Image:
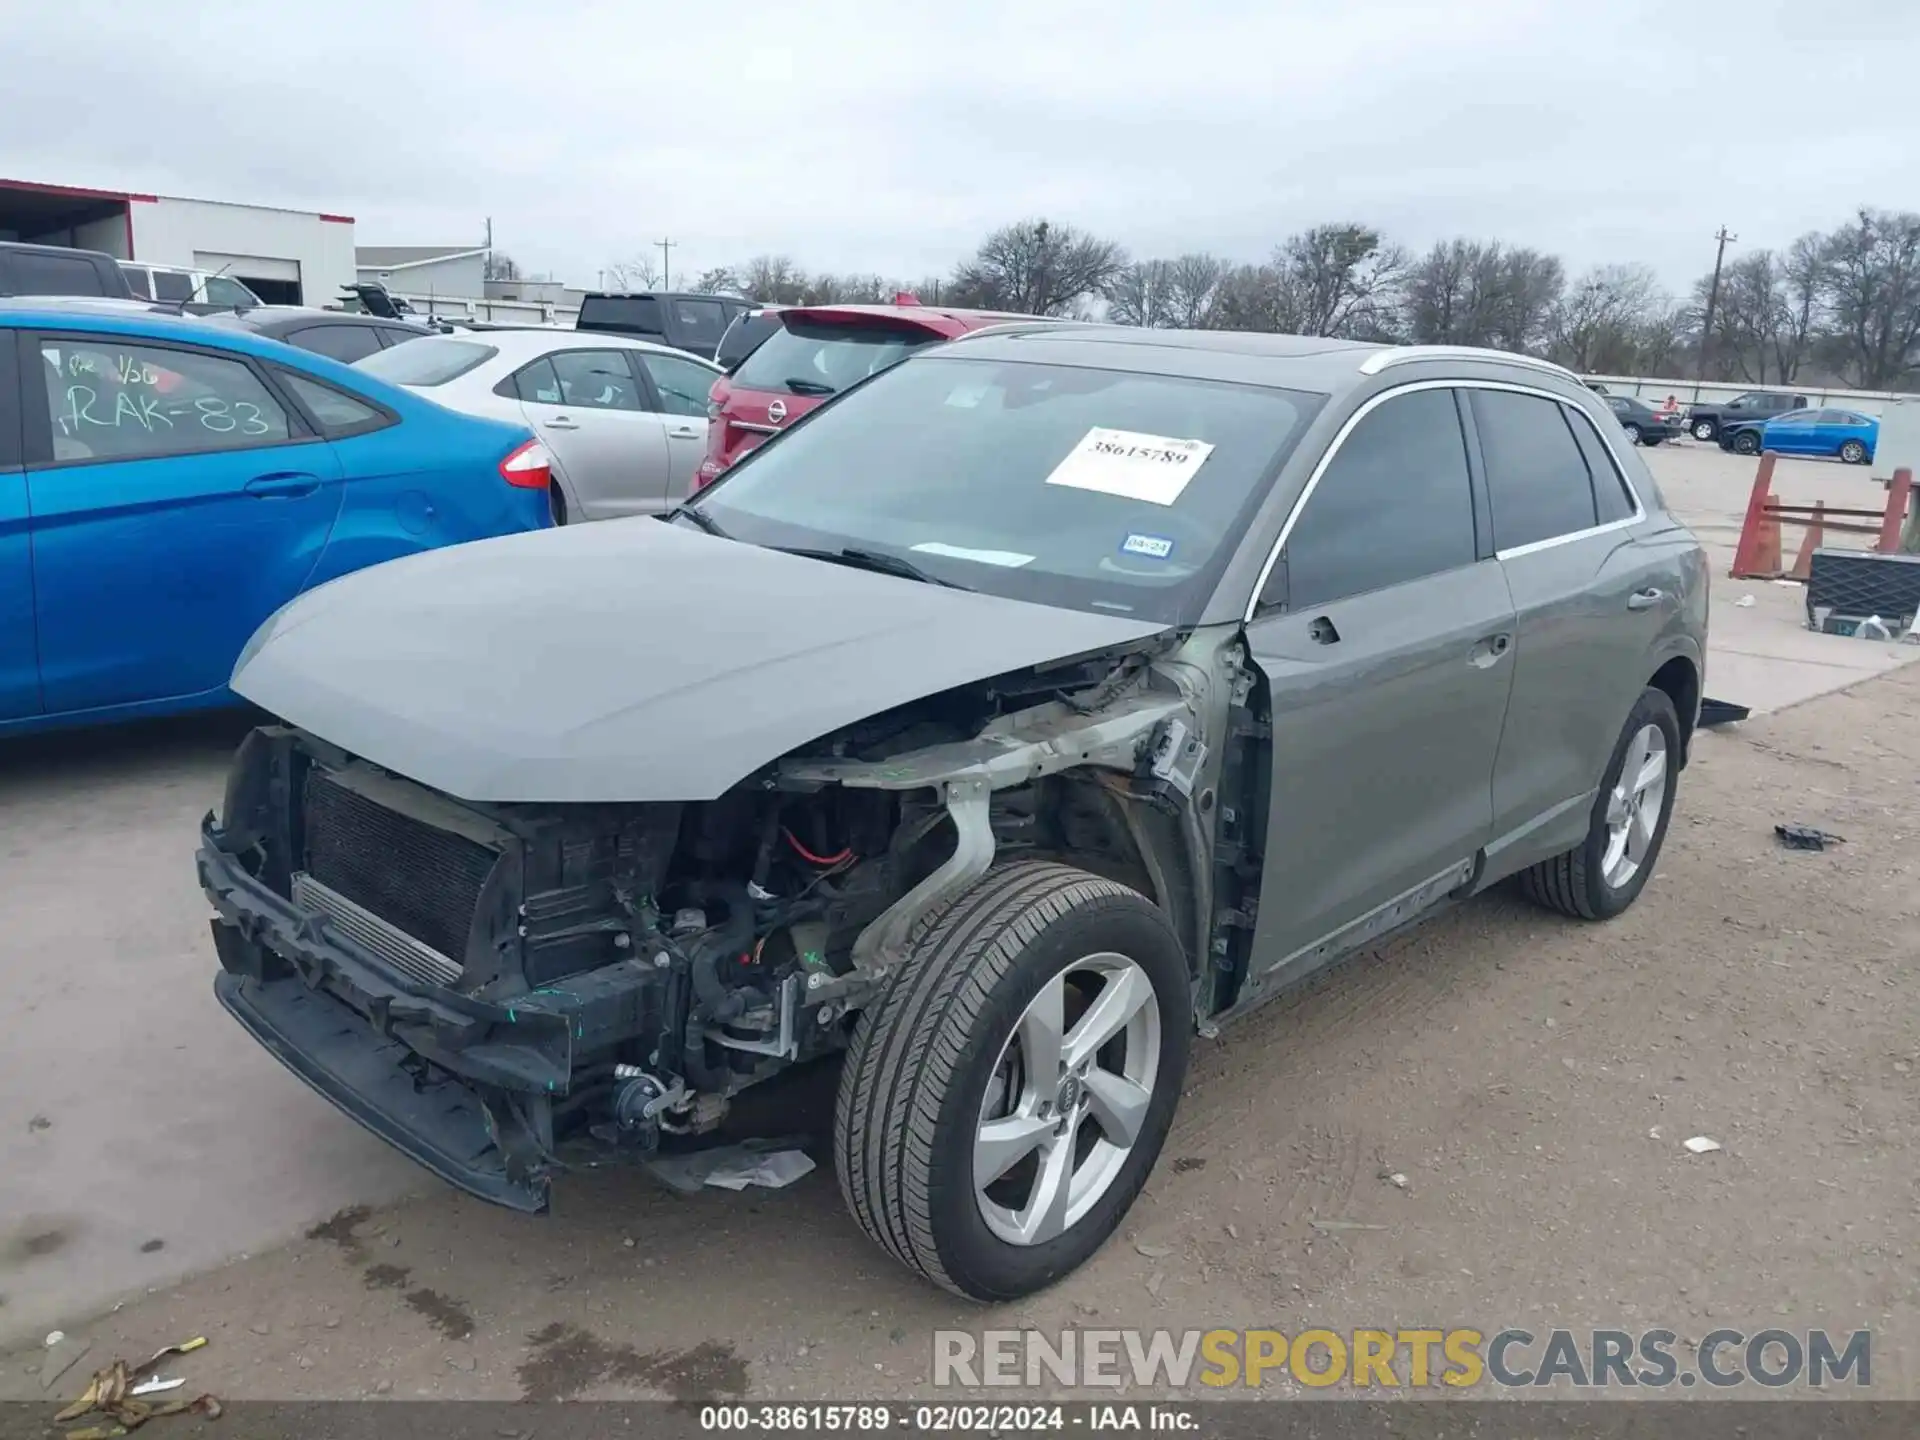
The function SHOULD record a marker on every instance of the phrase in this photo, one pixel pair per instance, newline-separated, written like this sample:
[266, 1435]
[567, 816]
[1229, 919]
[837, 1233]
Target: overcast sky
[873, 136]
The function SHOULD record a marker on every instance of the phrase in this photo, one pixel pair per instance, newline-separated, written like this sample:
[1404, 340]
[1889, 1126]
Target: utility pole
[1726, 237]
[666, 266]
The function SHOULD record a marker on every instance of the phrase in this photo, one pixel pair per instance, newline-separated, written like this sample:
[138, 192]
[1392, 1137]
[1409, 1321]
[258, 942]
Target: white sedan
[626, 421]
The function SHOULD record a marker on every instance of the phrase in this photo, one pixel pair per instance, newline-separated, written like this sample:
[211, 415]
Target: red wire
[809, 856]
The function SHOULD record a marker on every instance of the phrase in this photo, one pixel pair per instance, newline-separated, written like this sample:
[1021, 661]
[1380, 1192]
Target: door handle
[684, 432]
[282, 487]
[562, 422]
[1645, 599]
[1488, 652]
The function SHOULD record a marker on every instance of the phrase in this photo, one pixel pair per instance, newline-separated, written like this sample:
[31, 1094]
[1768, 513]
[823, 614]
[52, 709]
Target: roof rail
[1027, 323]
[1413, 354]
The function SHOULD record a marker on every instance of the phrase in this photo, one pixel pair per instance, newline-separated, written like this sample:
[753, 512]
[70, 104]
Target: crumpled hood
[626, 660]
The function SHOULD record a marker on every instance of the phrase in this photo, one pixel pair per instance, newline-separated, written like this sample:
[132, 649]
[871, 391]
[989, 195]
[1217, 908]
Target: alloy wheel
[1634, 806]
[1067, 1099]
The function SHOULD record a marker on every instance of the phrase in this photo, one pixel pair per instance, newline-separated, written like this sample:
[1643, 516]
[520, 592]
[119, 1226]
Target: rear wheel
[1633, 433]
[1004, 1101]
[1746, 443]
[557, 500]
[1854, 453]
[1605, 873]
[1704, 430]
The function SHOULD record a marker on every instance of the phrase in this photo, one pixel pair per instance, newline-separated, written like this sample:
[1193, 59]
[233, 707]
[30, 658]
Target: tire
[557, 501]
[940, 1044]
[1705, 430]
[1633, 433]
[1746, 443]
[1577, 882]
[1853, 453]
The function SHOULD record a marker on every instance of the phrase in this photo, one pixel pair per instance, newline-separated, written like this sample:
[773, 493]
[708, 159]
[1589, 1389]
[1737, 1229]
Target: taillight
[530, 467]
[708, 472]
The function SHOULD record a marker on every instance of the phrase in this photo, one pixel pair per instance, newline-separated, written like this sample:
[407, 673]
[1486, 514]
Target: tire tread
[906, 1049]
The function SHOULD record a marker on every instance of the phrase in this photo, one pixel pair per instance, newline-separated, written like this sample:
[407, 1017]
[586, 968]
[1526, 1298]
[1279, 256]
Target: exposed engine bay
[579, 979]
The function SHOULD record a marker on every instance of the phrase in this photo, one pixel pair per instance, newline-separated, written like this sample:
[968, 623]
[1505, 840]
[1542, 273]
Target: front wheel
[1605, 873]
[1746, 443]
[1854, 453]
[1004, 1100]
[1703, 430]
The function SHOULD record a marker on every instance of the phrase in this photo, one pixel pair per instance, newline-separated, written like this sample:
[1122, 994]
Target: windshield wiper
[875, 560]
[699, 517]
[798, 386]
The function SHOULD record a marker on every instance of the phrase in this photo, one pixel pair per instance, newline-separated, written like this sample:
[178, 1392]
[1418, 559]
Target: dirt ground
[1531, 1078]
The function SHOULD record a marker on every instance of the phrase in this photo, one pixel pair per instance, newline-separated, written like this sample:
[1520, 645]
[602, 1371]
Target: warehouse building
[286, 257]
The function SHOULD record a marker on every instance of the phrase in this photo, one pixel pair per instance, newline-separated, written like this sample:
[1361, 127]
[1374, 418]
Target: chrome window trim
[1375, 402]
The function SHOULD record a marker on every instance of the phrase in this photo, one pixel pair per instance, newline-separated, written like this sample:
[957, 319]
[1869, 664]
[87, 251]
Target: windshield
[1090, 489]
[814, 357]
[430, 360]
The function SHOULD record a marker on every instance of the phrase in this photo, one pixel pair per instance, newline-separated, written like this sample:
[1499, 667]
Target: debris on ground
[1722, 712]
[1872, 628]
[773, 1171]
[1805, 837]
[1701, 1145]
[1328, 1227]
[1153, 1252]
[688, 1173]
[1745, 602]
[1398, 1181]
[110, 1393]
[62, 1355]
[157, 1386]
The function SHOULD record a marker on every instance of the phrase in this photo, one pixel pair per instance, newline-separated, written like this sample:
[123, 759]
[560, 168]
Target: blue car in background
[1845, 434]
[167, 484]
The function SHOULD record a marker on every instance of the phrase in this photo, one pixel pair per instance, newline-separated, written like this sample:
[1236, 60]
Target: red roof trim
[80, 191]
[337, 219]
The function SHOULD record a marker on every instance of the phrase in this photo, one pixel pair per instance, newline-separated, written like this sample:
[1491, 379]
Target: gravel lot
[1512, 1066]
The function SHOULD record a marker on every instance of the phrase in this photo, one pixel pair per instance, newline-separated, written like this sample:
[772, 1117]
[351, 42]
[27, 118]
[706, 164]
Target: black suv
[693, 323]
[1704, 422]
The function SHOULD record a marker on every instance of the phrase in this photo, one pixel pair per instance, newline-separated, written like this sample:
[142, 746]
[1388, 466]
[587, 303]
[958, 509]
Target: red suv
[816, 352]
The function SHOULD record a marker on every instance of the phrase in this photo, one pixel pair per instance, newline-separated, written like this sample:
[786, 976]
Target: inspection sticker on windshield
[1153, 468]
[1156, 547]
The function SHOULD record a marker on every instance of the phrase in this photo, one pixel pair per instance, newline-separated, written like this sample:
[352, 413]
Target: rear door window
[699, 324]
[172, 286]
[595, 379]
[138, 282]
[823, 357]
[1394, 505]
[1537, 482]
[222, 291]
[111, 400]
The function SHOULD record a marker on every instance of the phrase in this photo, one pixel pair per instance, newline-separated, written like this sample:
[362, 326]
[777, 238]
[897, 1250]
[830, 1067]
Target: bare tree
[773, 280]
[1803, 286]
[1191, 281]
[720, 280]
[1600, 323]
[1339, 280]
[636, 272]
[1872, 282]
[1473, 292]
[500, 266]
[1247, 297]
[1142, 294]
[1037, 268]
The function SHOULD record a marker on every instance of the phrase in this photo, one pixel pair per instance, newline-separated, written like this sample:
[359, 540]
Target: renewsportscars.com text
[1365, 1359]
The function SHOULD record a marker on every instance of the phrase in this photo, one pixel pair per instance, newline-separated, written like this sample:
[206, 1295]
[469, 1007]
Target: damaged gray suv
[1049, 698]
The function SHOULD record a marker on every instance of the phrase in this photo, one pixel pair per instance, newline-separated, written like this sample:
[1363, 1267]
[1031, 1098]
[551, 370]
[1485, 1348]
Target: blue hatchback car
[167, 484]
[1846, 434]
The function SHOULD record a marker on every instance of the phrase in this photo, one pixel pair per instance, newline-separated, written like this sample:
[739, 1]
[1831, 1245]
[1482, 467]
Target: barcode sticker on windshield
[1153, 468]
